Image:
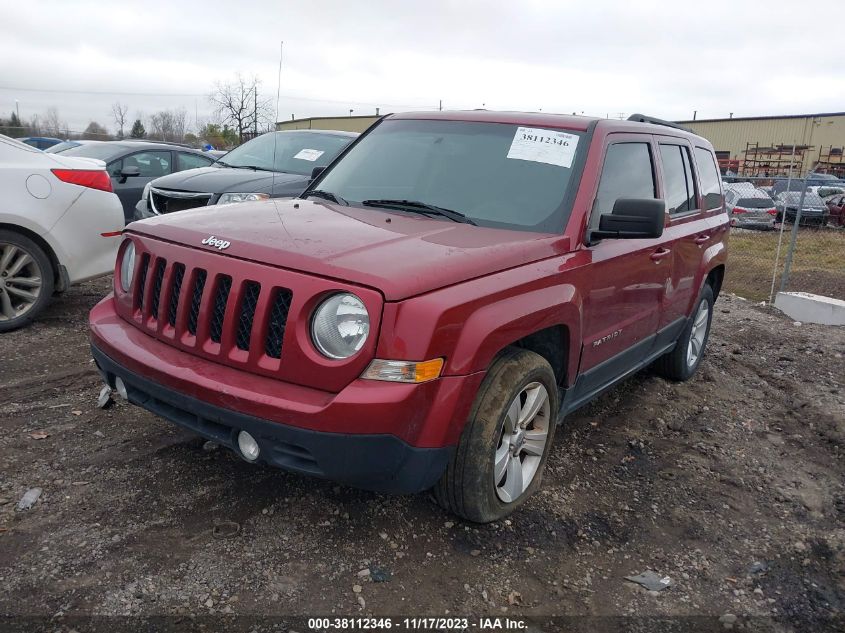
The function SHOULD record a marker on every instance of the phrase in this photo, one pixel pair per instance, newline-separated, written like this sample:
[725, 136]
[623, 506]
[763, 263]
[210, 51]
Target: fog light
[121, 388]
[248, 446]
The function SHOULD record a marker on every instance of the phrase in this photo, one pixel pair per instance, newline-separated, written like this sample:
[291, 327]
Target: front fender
[469, 323]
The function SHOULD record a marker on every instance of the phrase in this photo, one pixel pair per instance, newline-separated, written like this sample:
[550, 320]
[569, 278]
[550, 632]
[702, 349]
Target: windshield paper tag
[543, 146]
[309, 154]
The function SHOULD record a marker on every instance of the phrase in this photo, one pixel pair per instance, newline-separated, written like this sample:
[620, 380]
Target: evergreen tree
[138, 130]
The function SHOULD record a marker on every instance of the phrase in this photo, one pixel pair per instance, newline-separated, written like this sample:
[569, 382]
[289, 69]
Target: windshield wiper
[419, 207]
[252, 167]
[327, 195]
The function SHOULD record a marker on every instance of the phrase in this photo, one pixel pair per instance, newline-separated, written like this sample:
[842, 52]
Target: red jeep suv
[428, 310]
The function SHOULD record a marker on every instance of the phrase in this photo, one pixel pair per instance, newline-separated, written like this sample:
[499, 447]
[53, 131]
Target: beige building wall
[731, 135]
[343, 123]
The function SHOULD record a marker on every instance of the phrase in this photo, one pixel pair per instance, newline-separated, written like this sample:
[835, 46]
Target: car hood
[222, 179]
[400, 254]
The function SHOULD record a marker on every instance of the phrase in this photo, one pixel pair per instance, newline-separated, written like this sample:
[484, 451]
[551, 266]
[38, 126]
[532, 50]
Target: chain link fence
[787, 235]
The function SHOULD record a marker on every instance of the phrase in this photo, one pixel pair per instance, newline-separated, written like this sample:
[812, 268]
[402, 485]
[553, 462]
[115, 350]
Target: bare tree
[95, 132]
[52, 124]
[119, 111]
[168, 125]
[238, 102]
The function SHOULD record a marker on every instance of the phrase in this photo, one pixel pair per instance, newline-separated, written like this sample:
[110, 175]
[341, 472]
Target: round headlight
[340, 326]
[127, 267]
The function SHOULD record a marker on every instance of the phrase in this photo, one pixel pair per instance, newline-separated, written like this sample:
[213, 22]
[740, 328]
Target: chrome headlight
[340, 326]
[228, 198]
[127, 267]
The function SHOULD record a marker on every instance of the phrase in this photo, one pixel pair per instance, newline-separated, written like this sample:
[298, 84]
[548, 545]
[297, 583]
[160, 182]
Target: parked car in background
[828, 191]
[273, 165]
[813, 211]
[132, 164]
[40, 142]
[750, 209]
[432, 306]
[58, 148]
[836, 210]
[60, 224]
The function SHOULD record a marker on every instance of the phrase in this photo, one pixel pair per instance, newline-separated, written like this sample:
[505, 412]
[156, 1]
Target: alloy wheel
[20, 281]
[522, 442]
[699, 331]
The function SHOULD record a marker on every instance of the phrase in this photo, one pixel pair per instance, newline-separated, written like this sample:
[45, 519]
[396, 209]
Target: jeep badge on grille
[216, 243]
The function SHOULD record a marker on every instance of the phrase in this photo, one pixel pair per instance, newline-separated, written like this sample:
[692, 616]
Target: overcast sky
[597, 56]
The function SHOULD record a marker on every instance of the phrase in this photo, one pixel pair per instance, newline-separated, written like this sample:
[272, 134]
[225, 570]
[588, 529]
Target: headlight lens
[127, 267]
[228, 198]
[340, 326]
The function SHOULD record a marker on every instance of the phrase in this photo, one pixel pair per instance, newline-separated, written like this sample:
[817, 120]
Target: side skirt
[603, 376]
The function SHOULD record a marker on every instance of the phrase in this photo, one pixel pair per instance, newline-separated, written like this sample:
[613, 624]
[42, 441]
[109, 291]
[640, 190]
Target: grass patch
[818, 265]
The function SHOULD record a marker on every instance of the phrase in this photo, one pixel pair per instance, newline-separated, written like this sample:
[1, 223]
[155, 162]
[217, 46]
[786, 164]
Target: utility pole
[441, 105]
[255, 111]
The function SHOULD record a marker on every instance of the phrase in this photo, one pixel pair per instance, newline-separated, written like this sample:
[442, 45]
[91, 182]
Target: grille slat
[221, 298]
[142, 281]
[277, 322]
[247, 314]
[176, 288]
[158, 278]
[196, 297]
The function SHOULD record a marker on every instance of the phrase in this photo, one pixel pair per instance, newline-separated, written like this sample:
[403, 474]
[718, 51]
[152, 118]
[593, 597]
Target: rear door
[686, 233]
[628, 276]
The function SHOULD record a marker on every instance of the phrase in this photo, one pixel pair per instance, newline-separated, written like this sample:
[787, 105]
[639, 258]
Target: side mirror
[316, 172]
[128, 172]
[632, 218]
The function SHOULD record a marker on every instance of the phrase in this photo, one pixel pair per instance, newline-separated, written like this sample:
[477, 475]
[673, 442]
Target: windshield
[295, 152]
[103, 150]
[496, 174]
[61, 147]
[810, 199]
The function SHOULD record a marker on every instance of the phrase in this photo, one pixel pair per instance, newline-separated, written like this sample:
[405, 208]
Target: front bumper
[378, 436]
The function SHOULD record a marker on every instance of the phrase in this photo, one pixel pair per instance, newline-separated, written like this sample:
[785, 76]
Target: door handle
[659, 254]
[700, 239]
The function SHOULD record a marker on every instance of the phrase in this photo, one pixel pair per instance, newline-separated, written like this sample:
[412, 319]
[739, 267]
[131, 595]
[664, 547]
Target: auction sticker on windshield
[543, 146]
[309, 154]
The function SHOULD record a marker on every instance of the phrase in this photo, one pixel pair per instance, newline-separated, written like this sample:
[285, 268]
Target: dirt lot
[732, 485]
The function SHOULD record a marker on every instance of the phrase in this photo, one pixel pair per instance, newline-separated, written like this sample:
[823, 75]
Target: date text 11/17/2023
[418, 624]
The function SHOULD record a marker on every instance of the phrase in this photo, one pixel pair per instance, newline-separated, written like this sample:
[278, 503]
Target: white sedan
[60, 224]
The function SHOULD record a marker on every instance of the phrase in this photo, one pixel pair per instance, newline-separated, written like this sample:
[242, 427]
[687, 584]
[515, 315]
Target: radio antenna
[275, 121]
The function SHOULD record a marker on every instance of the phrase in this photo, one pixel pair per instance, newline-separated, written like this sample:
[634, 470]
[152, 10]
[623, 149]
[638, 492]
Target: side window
[677, 181]
[151, 164]
[628, 172]
[708, 177]
[114, 168]
[191, 161]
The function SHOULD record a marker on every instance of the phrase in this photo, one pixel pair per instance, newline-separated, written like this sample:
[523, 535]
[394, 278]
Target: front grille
[210, 323]
[224, 285]
[164, 201]
[158, 278]
[278, 320]
[196, 297]
[248, 304]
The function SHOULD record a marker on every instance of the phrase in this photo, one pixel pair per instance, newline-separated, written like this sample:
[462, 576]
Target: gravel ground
[731, 485]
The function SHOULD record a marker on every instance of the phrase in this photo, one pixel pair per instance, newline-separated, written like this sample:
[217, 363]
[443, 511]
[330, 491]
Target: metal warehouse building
[345, 123]
[763, 146]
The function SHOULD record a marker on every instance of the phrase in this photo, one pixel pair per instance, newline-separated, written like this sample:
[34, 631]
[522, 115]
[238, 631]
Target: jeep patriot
[432, 306]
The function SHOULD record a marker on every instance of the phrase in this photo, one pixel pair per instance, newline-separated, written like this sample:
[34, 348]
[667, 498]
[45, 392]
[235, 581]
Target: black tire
[675, 365]
[467, 488]
[9, 302]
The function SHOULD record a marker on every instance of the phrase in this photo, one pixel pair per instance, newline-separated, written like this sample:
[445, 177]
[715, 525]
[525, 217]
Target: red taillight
[91, 178]
[772, 211]
[740, 210]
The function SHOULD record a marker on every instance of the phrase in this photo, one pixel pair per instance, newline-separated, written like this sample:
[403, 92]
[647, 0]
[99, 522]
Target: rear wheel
[680, 364]
[503, 449]
[26, 280]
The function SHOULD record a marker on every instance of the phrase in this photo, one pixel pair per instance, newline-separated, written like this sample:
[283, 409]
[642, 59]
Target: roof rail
[642, 118]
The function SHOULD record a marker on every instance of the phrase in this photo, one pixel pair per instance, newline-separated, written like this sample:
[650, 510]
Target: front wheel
[680, 364]
[503, 449]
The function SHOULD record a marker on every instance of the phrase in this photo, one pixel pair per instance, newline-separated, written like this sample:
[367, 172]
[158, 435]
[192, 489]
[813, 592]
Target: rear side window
[708, 178]
[151, 164]
[191, 161]
[677, 179]
[627, 173]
